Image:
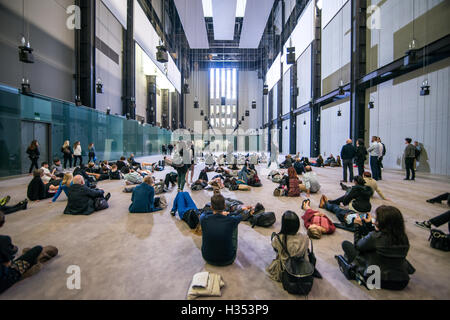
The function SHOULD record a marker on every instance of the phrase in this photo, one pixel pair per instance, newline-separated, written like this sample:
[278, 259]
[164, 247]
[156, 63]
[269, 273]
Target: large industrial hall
[224, 150]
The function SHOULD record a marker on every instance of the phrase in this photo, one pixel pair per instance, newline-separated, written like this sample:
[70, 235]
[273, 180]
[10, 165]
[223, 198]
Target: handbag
[439, 240]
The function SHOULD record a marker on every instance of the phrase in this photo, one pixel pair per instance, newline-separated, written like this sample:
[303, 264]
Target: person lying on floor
[22, 205]
[131, 177]
[357, 197]
[186, 208]
[372, 183]
[244, 173]
[386, 247]
[81, 200]
[316, 222]
[347, 217]
[298, 166]
[66, 182]
[29, 263]
[219, 233]
[143, 197]
[37, 190]
[289, 237]
[93, 172]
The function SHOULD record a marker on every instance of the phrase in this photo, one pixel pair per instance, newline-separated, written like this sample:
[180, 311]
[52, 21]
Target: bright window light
[240, 8]
[212, 83]
[234, 84]
[218, 83]
[228, 84]
[319, 4]
[223, 83]
[207, 8]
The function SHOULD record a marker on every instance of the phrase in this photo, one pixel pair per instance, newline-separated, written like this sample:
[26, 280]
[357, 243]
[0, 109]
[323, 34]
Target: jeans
[442, 197]
[338, 211]
[360, 169]
[375, 167]
[440, 220]
[75, 160]
[348, 163]
[34, 163]
[409, 166]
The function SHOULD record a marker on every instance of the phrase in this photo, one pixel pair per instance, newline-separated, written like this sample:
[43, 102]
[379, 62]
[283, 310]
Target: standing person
[164, 149]
[77, 153]
[67, 151]
[410, 157]
[273, 153]
[360, 156]
[170, 147]
[380, 160]
[375, 151]
[192, 151]
[348, 152]
[33, 154]
[418, 151]
[92, 156]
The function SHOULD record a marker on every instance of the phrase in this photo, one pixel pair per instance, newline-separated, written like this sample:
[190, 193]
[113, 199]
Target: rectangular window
[234, 109]
[211, 111]
[218, 82]
[223, 83]
[228, 110]
[229, 94]
[234, 84]
[228, 122]
[233, 122]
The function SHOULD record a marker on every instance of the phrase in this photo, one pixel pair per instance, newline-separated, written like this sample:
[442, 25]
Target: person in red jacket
[316, 222]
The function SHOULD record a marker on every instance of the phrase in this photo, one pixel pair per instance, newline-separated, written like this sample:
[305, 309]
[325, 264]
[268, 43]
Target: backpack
[191, 218]
[277, 178]
[264, 219]
[298, 274]
[279, 192]
[100, 204]
[162, 202]
[439, 240]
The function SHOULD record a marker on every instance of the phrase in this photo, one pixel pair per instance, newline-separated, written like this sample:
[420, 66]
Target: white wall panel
[334, 130]
[118, 9]
[304, 78]
[304, 134]
[400, 112]
[286, 135]
[275, 102]
[286, 92]
[274, 73]
[330, 8]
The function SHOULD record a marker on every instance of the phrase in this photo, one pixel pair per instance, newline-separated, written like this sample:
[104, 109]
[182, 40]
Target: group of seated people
[290, 184]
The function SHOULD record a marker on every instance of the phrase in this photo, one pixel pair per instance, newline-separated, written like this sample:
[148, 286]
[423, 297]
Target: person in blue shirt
[63, 186]
[219, 233]
[143, 198]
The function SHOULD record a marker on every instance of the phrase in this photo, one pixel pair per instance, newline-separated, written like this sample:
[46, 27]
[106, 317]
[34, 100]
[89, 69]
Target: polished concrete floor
[154, 256]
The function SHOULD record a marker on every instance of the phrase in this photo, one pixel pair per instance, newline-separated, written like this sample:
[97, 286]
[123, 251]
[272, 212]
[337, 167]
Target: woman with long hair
[296, 243]
[386, 248]
[67, 151]
[64, 185]
[294, 183]
[77, 153]
[33, 154]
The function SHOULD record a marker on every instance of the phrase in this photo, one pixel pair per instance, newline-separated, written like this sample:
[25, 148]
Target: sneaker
[406, 179]
[323, 201]
[431, 201]
[305, 202]
[424, 225]
[108, 196]
[4, 201]
[172, 213]
[343, 186]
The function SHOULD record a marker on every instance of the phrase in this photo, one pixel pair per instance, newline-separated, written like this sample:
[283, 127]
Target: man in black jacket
[348, 152]
[358, 197]
[81, 199]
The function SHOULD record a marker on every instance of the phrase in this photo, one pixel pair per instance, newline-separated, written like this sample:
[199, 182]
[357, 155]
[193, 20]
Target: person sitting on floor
[219, 233]
[357, 197]
[330, 160]
[66, 182]
[81, 199]
[293, 187]
[316, 222]
[36, 188]
[319, 162]
[287, 163]
[29, 263]
[372, 183]
[114, 173]
[299, 167]
[305, 161]
[310, 182]
[243, 174]
[121, 163]
[57, 168]
[132, 161]
[289, 237]
[386, 247]
[347, 217]
[22, 205]
[96, 173]
[143, 197]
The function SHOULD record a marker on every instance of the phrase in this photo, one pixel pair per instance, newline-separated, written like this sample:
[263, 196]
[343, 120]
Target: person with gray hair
[82, 200]
[310, 183]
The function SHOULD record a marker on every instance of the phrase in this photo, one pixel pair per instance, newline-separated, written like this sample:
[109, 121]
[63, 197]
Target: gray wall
[53, 44]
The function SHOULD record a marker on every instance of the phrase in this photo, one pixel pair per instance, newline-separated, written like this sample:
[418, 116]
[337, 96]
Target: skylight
[240, 8]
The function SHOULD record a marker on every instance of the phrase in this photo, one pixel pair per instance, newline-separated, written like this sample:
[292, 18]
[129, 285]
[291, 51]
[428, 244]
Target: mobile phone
[363, 216]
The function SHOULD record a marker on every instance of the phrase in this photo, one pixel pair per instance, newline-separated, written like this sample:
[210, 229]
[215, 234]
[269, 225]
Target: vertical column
[358, 68]
[129, 65]
[165, 108]
[316, 85]
[85, 53]
[293, 122]
[151, 100]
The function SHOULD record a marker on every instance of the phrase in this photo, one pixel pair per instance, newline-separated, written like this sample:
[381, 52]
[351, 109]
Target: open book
[200, 280]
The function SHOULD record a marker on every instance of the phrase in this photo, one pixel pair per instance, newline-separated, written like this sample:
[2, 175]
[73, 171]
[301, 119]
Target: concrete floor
[154, 256]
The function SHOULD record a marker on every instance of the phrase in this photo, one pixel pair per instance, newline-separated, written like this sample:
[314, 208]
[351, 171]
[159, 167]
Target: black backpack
[264, 219]
[439, 240]
[298, 274]
[191, 218]
[100, 204]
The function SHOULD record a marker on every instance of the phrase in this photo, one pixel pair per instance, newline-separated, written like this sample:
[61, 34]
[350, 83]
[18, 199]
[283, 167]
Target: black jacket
[360, 155]
[33, 153]
[80, 199]
[37, 190]
[360, 195]
[375, 249]
[348, 152]
[67, 152]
